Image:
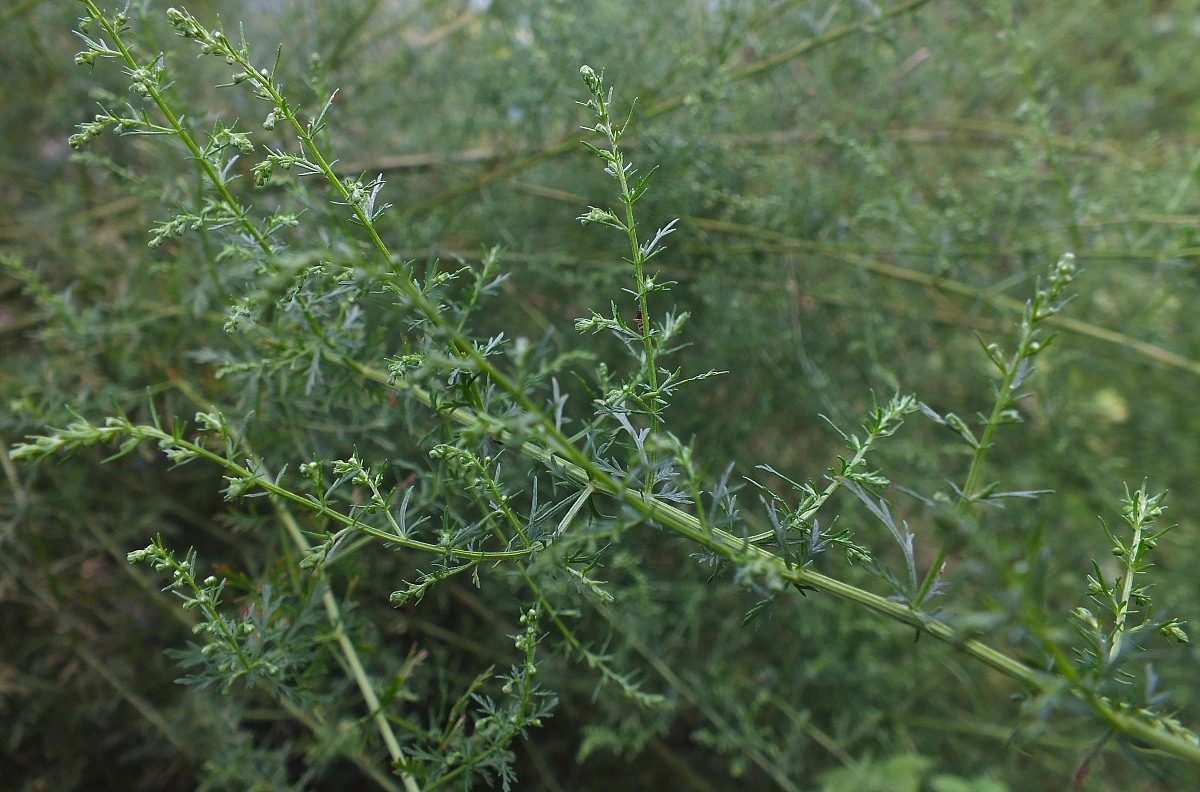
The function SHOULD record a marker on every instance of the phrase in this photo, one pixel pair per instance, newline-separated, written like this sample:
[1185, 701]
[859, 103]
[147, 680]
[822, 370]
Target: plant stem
[182, 134]
[739, 551]
[349, 652]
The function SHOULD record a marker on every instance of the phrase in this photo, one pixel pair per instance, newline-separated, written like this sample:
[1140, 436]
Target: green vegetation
[803, 425]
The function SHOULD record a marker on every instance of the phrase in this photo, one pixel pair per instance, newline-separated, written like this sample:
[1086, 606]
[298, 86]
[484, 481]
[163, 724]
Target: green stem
[181, 132]
[639, 260]
[244, 474]
[1003, 402]
[835, 483]
[349, 652]
[736, 549]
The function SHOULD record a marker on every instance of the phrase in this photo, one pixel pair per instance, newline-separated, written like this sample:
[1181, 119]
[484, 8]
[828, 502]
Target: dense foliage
[803, 425]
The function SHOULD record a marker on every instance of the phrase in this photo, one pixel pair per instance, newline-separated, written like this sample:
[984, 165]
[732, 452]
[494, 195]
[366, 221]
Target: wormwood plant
[497, 474]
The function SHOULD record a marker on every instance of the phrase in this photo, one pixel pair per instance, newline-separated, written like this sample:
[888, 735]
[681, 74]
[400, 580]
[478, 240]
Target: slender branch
[739, 550]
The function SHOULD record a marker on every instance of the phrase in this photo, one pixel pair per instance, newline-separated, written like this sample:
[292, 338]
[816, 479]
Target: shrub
[437, 518]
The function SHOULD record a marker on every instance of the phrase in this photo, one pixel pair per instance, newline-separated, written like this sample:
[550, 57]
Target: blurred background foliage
[862, 189]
